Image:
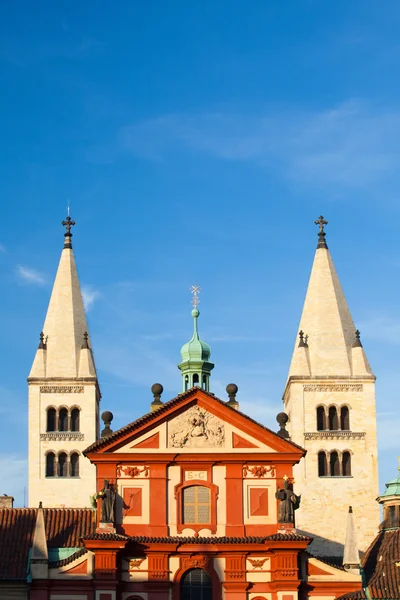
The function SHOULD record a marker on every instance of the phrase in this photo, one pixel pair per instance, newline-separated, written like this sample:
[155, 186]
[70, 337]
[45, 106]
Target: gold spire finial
[195, 289]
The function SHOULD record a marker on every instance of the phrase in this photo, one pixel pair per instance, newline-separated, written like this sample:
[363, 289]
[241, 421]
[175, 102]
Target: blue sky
[197, 142]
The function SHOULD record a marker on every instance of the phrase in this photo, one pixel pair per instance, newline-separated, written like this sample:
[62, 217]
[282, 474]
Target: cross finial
[321, 234]
[195, 289]
[302, 342]
[68, 223]
[357, 343]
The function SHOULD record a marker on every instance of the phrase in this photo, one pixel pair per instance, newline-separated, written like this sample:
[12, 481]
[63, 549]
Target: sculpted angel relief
[196, 428]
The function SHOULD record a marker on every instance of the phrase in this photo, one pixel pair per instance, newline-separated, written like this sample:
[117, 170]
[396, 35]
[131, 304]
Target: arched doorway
[196, 584]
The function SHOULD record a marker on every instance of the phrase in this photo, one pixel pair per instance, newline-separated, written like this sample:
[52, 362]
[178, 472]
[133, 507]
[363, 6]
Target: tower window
[344, 418]
[74, 465]
[195, 379]
[75, 419]
[334, 464]
[322, 464]
[50, 464]
[346, 464]
[196, 584]
[51, 419]
[321, 418]
[62, 465]
[204, 382]
[196, 504]
[333, 419]
[63, 420]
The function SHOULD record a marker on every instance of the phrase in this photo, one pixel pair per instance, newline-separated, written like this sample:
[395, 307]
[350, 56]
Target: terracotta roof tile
[166, 406]
[221, 540]
[64, 528]
[379, 565]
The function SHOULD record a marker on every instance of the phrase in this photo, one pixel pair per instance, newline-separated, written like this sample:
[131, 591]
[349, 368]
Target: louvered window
[196, 504]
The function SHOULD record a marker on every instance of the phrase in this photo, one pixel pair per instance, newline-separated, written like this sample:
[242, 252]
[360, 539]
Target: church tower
[196, 366]
[330, 401]
[64, 396]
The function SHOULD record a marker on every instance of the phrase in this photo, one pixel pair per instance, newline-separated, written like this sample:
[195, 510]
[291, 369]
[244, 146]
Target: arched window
[74, 465]
[62, 465]
[195, 379]
[334, 464]
[344, 418]
[63, 420]
[50, 464]
[321, 420]
[51, 419]
[186, 382]
[75, 419]
[196, 504]
[322, 464]
[333, 419]
[196, 584]
[204, 382]
[346, 464]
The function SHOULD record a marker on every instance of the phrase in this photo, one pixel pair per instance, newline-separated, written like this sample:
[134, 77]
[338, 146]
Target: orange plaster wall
[234, 500]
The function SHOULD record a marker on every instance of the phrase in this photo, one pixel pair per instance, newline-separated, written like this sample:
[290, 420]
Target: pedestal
[106, 528]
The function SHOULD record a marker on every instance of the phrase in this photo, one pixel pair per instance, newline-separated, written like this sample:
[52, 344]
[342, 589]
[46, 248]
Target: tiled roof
[64, 528]
[332, 561]
[379, 565]
[114, 537]
[276, 537]
[148, 417]
[66, 561]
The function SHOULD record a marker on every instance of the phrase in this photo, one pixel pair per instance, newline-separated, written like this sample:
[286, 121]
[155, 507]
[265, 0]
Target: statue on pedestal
[107, 497]
[289, 502]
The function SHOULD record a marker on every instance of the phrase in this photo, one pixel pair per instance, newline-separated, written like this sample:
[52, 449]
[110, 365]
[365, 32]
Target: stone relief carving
[62, 389]
[196, 428]
[194, 562]
[257, 563]
[134, 563]
[132, 471]
[339, 387]
[259, 471]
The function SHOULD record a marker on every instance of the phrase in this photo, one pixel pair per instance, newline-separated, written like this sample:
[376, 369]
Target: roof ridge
[153, 415]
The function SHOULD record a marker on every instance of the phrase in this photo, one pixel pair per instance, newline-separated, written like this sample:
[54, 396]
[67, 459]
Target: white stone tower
[330, 400]
[64, 396]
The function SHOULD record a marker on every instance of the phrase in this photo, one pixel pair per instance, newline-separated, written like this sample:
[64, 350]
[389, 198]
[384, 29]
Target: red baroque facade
[196, 517]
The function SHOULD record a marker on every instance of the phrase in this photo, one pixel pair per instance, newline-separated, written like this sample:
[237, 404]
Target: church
[195, 500]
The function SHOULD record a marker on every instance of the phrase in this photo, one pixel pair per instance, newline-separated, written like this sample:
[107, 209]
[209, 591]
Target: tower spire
[196, 366]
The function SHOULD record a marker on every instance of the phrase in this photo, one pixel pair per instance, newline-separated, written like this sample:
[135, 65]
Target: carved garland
[195, 562]
[132, 471]
[340, 387]
[62, 389]
[259, 471]
[135, 563]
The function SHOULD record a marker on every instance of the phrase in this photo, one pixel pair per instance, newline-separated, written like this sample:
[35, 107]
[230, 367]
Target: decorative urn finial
[156, 389]
[107, 417]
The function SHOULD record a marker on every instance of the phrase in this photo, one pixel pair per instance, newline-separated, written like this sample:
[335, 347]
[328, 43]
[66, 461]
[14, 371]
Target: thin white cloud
[3, 249]
[89, 296]
[350, 145]
[28, 275]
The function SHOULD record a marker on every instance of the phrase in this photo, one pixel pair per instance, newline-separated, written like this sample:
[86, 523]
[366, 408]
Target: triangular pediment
[195, 421]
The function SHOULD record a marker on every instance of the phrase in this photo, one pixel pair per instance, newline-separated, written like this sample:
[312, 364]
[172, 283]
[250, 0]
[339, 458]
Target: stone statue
[107, 496]
[289, 502]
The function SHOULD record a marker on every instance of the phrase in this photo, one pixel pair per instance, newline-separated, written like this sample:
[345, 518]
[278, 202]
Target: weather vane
[195, 289]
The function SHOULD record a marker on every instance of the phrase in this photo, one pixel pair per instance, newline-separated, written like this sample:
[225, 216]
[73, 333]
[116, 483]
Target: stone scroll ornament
[289, 502]
[107, 496]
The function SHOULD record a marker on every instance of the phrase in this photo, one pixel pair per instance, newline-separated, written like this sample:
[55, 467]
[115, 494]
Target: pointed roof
[351, 556]
[65, 324]
[327, 324]
[175, 406]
